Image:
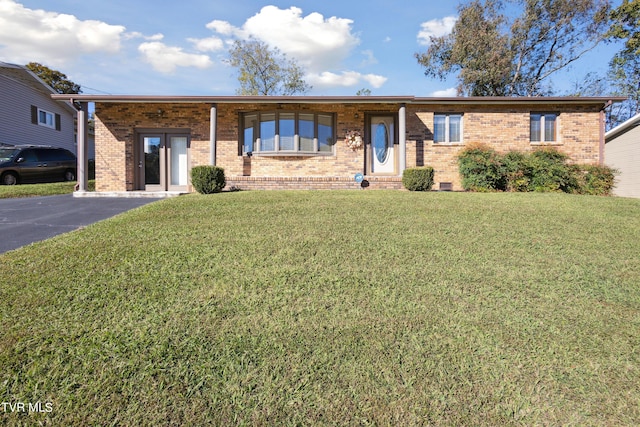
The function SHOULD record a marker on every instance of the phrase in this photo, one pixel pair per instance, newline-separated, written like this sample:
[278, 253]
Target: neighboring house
[28, 115]
[151, 142]
[622, 152]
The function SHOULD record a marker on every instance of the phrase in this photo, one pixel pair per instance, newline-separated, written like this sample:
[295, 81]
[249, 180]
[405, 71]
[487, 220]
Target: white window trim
[556, 132]
[48, 113]
[257, 143]
[447, 134]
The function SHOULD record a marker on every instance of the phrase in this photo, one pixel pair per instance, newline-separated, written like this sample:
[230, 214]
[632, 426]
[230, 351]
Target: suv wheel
[69, 175]
[9, 178]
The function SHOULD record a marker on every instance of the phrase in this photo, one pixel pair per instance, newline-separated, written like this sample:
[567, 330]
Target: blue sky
[146, 47]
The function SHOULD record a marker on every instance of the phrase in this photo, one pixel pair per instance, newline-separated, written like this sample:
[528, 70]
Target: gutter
[477, 100]
[623, 127]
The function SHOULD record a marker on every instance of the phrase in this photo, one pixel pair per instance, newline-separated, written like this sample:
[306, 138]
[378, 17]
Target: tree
[57, 80]
[265, 71]
[495, 55]
[626, 25]
[624, 68]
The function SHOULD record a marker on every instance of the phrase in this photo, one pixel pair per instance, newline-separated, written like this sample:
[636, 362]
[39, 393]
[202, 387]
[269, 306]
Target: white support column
[212, 135]
[83, 148]
[402, 135]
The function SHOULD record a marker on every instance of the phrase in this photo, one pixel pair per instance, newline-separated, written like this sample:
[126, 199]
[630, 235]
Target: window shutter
[34, 114]
[58, 125]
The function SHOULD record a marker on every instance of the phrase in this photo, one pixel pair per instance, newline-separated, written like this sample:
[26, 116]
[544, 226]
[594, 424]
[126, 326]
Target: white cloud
[328, 79]
[375, 80]
[165, 58]
[436, 28]
[370, 58]
[446, 93]
[317, 43]
[52, 38]
[210, 44]
[138, 35]
[222, 27]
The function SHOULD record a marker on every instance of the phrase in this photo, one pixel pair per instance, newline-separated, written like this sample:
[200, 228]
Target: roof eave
[479, 100]
[496, 100]
[234, 99]
[623, 127]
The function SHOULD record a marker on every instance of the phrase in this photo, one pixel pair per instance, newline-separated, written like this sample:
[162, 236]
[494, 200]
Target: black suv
[21, 164]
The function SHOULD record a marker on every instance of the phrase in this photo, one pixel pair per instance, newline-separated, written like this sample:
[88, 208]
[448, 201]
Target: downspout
[602, 131]
[402, 135]
[212, 135]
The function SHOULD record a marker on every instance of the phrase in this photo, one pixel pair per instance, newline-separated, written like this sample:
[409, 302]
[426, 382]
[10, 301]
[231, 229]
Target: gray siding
[15, 117]
[623, 153]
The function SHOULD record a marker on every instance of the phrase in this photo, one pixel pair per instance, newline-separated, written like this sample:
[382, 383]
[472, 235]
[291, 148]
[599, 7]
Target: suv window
[45, 155]
[54, 155]
[6, 154]
[28, 155]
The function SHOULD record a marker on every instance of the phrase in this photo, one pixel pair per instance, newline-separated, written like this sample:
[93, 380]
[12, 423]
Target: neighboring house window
[45, 118]
[287, 132]
[544, 127]
[447, 128]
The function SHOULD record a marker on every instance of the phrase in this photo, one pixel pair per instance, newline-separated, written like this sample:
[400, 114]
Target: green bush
[208, 179]
[481, 169]
[517, 171]
[418, 179]
[543, 170]
[596, 180]
[550, 172]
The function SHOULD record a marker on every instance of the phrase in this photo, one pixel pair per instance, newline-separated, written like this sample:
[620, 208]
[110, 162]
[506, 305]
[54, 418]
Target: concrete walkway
[31, 219]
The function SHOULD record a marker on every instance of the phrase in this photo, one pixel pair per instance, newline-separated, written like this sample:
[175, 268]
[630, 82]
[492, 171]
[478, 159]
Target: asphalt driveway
[31, 219]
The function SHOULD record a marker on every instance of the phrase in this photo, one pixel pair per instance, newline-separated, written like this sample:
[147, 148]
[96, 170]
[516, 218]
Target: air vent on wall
[446, 186]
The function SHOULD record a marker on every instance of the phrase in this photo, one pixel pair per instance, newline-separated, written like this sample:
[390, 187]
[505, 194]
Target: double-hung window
[447, 128]
[544, 127]
[288, 133]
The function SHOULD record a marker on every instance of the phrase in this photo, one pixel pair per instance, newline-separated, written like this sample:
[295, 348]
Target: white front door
[382, 138]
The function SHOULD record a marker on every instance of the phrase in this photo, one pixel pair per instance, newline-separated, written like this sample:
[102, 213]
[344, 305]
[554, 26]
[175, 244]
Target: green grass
[32, 190]
[331, 308]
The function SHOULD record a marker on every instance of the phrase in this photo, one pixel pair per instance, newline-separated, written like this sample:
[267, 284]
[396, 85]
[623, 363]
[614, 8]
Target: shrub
[481, 169]
[208, 179]
[544, 170]
[517, 171]
[596, 180]
[418, 179]
[550, 172]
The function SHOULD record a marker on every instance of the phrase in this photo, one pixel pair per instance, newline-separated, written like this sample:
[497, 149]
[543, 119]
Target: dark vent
[446, 186]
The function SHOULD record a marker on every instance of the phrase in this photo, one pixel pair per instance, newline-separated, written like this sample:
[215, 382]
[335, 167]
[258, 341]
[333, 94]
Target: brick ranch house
[150, 143]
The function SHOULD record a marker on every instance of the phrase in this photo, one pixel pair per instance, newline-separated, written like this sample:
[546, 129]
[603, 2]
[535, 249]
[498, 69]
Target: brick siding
[504, 127]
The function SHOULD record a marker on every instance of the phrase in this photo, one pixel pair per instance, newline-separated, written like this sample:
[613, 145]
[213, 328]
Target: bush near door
[418, 179]
[208, 179]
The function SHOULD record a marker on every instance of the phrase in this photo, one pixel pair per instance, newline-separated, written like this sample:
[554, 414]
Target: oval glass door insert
[381, 143]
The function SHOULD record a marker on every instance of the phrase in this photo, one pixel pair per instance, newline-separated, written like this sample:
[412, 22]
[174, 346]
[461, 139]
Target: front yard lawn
[330, 308]
[32, 190]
